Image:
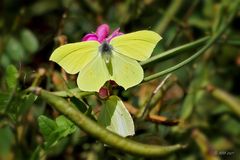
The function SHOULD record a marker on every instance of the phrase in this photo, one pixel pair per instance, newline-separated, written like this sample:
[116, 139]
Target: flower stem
[173, 52]
[75, 91]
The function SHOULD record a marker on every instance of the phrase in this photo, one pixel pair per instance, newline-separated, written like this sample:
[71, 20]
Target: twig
[152, 117]
[38, 77]
[163, 120]
[146, 108]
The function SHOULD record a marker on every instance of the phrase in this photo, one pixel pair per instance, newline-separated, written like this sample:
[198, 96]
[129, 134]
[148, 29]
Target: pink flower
[102, 34]
[90, 37]
[114, 34]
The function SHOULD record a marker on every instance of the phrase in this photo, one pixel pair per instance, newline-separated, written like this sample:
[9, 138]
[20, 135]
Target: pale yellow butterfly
[114, 60]
[115, 117]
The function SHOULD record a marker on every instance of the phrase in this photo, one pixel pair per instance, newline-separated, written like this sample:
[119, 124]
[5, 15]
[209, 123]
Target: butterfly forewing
[137, 45]
[75, 56]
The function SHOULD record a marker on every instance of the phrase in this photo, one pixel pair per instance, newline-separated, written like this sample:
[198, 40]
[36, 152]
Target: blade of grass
[168, 16]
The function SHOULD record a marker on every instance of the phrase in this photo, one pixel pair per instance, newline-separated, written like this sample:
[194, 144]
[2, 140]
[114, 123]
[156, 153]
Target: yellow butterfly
[103, 58]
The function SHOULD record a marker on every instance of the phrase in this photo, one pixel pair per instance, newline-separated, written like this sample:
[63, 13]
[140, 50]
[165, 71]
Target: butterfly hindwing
[127, 72]
[137, 45]
[93, 75]
[73, 57]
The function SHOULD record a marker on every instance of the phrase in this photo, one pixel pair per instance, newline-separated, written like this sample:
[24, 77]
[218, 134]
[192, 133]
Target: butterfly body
[105, 50]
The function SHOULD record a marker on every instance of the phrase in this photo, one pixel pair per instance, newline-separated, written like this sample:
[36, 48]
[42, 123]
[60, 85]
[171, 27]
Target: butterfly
[115, 117]
[102, 58]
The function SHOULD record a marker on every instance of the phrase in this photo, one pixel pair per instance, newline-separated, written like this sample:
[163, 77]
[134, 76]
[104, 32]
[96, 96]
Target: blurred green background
[203, 96]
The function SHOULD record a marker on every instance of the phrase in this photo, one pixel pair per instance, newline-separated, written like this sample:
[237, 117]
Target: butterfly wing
[137, 45]
[73, 57]
[93, 76]
[127, 72]
[115, 117]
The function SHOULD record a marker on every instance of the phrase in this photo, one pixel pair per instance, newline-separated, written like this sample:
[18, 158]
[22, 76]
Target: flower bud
[104, 93]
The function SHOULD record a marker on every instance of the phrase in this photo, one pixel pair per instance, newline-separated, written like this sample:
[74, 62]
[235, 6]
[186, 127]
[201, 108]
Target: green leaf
[53, 131]
[43, 7]
[29, 41]
[115, 117]
[6, 141]
[188, 105]
[53, 138]
[65, 124]
[46, 125]
[79, 104]
[83, 107]
[7, 98]
[4, 100]
[19, 105]
[26, 102]
[4, 60]
[36, 153]
[14, 49]
[11, 77]
[62, 121]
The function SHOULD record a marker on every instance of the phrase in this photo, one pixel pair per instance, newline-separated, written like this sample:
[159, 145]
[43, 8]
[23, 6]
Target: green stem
[75, 91]
[38, 77]
[207, 150]
[232, 42]
[211, 41]
[100, 133]
[168, 16]
[150, 102]
[173, 52]
[232, 102]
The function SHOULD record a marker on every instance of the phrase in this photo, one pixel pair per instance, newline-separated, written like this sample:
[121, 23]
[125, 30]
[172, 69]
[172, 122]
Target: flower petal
[114, 34]
[90, 37]
[102, 32]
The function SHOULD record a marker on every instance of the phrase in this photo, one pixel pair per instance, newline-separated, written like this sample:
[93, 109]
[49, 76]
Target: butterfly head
[105, 48]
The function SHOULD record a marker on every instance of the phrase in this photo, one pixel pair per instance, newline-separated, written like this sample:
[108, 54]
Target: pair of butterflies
[115, 60]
